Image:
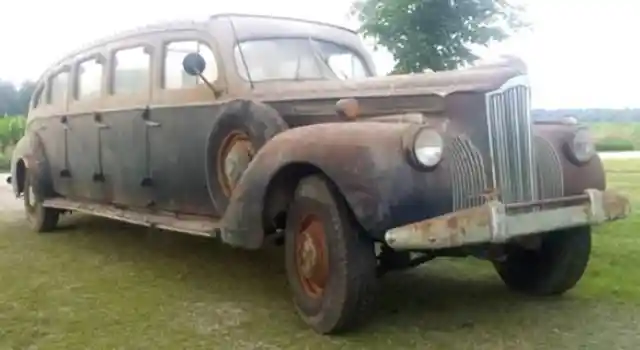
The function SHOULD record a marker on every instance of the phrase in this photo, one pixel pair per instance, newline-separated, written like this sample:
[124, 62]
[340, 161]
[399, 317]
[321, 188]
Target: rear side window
[58, 88]
[131, 71]
[89, 79]
[174, 77]
[37, 96]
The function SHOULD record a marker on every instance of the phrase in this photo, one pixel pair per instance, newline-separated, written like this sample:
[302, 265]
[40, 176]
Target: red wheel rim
[312, 263]
[235, 147]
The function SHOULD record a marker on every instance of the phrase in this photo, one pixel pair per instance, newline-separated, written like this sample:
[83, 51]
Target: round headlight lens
[582, 146]
[427, 147]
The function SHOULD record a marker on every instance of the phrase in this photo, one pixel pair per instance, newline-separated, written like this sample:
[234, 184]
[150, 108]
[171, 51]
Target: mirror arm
[216, 92]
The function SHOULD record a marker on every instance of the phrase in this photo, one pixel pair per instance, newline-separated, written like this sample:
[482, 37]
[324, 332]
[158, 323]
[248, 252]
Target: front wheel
[40, 218]
[553, 268]
[330, 263]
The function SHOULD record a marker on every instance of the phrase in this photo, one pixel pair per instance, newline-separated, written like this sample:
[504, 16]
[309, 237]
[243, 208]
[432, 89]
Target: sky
[578, 52]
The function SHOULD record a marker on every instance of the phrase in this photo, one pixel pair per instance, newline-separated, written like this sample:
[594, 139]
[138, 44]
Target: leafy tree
[435, 34]
[7, 98]
[15, 101]
[23, 97]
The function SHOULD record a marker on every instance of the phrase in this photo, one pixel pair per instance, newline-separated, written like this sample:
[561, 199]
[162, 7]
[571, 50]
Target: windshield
[298, 59]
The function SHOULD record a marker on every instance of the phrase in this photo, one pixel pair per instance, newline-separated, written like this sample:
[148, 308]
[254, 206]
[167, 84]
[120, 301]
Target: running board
[195, 225]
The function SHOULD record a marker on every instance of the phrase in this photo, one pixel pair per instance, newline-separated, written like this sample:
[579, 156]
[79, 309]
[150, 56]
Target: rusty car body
[221, 139]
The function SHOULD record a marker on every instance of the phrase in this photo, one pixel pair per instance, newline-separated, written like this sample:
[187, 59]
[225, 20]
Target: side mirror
[193, 64]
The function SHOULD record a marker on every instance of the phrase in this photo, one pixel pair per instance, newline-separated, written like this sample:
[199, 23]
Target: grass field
[616, 134]
[98, 284]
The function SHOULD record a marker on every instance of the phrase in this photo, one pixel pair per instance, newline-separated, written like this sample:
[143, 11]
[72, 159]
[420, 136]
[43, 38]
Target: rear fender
[29, 158]
[362, 159]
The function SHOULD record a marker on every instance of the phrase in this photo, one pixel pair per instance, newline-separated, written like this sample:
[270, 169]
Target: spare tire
[238, 133]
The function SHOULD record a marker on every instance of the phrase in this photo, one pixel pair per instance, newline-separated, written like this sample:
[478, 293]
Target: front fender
[576, 178]
[364, 160]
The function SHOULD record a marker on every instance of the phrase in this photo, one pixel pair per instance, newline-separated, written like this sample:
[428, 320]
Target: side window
[89, 79]
[131, 71]
[348, 66]
[37, 96]
[58, 88]
[174, 77]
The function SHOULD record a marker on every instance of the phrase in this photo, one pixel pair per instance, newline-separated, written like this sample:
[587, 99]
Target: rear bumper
[495, 222]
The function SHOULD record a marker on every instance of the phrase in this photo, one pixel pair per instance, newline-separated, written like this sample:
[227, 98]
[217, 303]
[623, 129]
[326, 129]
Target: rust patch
[235, 145]
[348, 108]
[312, 261]
[454, 229]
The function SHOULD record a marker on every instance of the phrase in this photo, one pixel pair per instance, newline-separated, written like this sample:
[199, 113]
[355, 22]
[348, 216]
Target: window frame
[163, 63]
[39, 91]
[66, 68]
[200, 93]
[100, 59]
[148, 49]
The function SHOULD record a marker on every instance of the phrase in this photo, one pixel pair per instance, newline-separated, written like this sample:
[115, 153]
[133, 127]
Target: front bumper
[495, 222]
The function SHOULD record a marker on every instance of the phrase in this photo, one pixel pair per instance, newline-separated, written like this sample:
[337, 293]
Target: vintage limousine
[265, 130]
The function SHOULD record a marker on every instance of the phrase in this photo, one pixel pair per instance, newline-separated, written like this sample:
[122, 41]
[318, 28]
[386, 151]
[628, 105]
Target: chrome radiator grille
[511, 146]
[467, 174]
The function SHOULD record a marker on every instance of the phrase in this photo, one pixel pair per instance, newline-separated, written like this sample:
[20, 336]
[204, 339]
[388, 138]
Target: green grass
[612, 136]
[98, 284]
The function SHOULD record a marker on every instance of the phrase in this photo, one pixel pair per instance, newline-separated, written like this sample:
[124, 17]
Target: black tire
[553, 269]
[347, 268]
[40, 218]
[248, 120]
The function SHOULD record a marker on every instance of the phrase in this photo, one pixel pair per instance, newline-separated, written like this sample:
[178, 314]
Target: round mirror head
[193, 64]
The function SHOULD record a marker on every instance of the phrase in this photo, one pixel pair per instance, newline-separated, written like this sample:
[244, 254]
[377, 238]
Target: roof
[120, 35]
[175, 25]
[284, 18]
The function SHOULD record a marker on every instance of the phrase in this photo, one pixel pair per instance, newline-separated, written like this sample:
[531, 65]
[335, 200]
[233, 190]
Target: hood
[484, 77]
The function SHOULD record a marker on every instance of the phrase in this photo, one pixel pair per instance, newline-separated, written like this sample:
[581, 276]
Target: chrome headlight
[581, 146]
[424, 148]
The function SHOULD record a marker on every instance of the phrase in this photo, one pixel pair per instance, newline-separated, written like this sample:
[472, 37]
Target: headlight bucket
[423, 147]
[580, 148]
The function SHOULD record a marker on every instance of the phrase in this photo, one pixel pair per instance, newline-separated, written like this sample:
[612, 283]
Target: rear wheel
[553, 268]
[331, 264]
[40, 218]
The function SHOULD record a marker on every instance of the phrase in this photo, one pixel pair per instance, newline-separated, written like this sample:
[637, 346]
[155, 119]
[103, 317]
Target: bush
[614, 144]
[11, 130]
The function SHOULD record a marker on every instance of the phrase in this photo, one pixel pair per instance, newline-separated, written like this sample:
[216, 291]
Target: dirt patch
[8, 202]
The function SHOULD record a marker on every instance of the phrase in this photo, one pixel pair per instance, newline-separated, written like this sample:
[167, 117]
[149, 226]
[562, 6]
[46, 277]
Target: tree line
[14, 99]
[590, 115]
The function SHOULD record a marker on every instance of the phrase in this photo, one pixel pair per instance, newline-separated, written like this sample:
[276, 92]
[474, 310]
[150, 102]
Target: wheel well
[280, 192]
[21, 172]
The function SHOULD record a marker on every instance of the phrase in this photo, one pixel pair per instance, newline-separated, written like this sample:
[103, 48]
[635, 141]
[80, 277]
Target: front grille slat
[509, 124]
[468, 176]
[522, 167]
